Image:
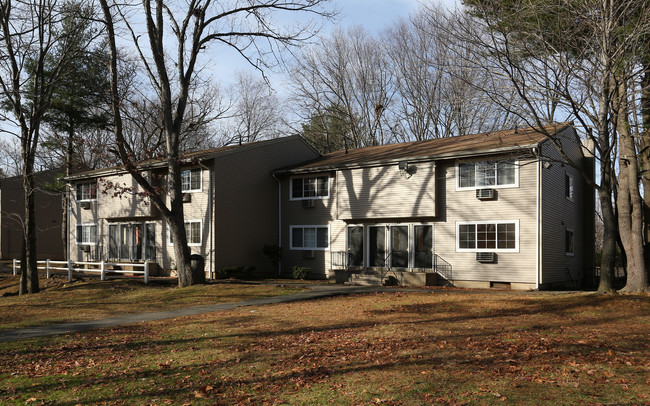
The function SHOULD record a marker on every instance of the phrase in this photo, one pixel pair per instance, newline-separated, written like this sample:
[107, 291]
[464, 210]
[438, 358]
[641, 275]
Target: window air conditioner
[484, 194]
[85, 205]
[485, 257]
[85, 248]
[308, 203]
[187, 197]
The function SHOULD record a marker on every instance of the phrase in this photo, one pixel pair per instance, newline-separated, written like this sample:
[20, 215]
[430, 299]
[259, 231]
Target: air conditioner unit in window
[85, 248]
[308, 203]
[187, 197]
[485, 194]
[85, 205]
[310, 254]
[485, 257]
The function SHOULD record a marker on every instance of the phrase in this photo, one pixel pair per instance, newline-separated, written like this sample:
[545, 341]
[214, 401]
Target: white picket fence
[69, 266]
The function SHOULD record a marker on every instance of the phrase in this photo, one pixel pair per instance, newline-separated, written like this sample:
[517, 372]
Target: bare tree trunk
[66, 202]
[23, 267]
[644, 157]
[608, 257]
[30, 229]
[630, 205]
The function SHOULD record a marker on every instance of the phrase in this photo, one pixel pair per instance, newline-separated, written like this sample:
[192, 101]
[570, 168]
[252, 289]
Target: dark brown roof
[187, 157]
[464, 145]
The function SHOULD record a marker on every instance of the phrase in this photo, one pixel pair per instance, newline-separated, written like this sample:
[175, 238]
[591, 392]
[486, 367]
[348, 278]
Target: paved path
[313, 292]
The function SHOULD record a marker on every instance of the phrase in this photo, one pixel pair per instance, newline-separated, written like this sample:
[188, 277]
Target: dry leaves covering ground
[390, 348]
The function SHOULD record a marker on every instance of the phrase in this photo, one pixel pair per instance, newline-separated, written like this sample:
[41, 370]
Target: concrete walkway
[314, 292]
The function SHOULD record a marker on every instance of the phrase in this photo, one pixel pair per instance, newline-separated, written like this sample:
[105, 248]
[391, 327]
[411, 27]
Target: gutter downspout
[279, 221]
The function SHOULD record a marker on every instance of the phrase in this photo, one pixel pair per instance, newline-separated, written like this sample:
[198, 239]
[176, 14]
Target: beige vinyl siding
[512, 204]
[558, 213]
[246, 200]
[386, 192]
[323, 213]
[194, 210]
[120, 196]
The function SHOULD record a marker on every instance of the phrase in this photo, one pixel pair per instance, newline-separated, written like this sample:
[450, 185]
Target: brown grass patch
[390, 348]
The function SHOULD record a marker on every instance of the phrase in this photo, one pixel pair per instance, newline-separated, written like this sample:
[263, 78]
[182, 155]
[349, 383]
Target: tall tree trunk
[608, 257]
[66, 197]
[30, 228]
[644, 156]
[630, 204]
[23, 267]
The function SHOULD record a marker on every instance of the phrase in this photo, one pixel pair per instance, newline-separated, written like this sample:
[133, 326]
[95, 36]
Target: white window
[486, 174]
[192, 231]
[310, 237]
[569, 188]
[86, 191]
[497, 236]
[87, 234]
[568, 241]
[315, 187]
[191, 180]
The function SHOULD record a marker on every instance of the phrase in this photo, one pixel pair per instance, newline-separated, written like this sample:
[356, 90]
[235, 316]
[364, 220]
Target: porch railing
[339, 261]
[102, 267]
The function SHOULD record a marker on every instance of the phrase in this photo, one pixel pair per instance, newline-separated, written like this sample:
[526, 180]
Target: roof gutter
[414, 159]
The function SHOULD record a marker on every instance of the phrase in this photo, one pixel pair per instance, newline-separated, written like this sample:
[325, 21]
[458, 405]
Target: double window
[191, 180]
[87, 234]
[310, 237]
[314, 187]
[86, 191]
[488, 236]
[192, 231]
[486, 174]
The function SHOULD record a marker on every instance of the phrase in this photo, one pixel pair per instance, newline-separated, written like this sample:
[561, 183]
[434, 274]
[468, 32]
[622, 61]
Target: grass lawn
[388, 348]
[60, 301]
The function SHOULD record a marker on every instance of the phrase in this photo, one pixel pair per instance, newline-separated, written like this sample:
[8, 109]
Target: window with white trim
[310, 237]
[569, 187]
[488, 236]
[314, 187]
[86, 191]
[87, 234]
[192, 232]
[486, 174]
[191, 180]
[568, 241]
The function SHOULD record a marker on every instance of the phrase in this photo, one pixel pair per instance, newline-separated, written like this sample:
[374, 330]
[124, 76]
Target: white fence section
[69, 266]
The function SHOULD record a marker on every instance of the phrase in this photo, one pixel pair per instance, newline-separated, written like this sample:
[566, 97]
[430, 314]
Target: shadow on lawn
[540, 321]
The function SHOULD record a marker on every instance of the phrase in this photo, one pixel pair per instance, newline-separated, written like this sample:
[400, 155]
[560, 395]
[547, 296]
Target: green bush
[235, 272]
[300, 272]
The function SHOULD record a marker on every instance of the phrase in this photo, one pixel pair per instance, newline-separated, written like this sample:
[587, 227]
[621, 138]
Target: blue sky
[374, 15]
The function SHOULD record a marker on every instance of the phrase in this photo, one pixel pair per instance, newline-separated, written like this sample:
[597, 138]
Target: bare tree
[257, 112]
[570, 59]
[439, 95]
[174, 37]
[347, 75]
[39, 39]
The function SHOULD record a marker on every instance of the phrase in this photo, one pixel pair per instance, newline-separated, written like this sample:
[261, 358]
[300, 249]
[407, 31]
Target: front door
[136, 237]
[355, 246]
[377, 246]
[399, 246]
[423, 246]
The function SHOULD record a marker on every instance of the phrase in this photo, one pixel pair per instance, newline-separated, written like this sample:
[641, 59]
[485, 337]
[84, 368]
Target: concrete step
[365, 279]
